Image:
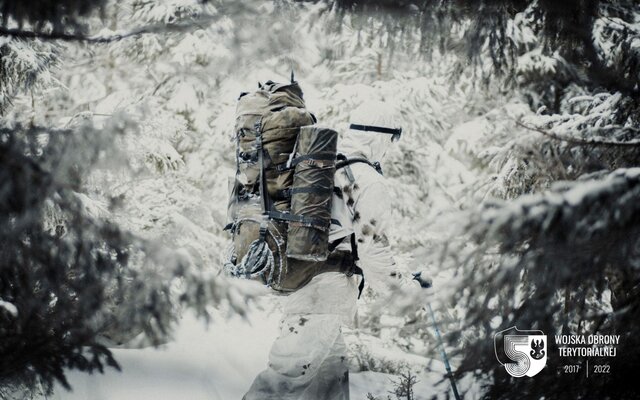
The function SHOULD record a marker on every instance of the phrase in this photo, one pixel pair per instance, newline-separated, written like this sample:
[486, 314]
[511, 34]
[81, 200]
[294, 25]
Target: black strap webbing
[335, 243]
[297, 218]
[354, 247]
[286, 193]
[348, 161]
[264, 194]
[340, 164]
[357, 270]
[322, 156]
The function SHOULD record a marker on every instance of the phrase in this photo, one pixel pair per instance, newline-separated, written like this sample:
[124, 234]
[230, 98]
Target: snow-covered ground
[217, 361]
[213, 362]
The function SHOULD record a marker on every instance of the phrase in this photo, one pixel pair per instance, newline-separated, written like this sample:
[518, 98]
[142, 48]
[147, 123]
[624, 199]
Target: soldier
[308, 359]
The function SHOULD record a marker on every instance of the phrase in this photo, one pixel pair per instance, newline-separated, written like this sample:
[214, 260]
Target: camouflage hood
[371, 145]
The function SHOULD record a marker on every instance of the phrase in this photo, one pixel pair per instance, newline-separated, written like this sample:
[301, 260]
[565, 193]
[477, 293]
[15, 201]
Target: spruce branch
[199, 23]
[586, 142]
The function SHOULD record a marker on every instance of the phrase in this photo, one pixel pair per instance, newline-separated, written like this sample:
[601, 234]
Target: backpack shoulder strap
[356, 269]
[344, 162]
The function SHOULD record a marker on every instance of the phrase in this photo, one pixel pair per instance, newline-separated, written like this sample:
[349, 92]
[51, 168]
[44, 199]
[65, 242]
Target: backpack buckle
[263, 227]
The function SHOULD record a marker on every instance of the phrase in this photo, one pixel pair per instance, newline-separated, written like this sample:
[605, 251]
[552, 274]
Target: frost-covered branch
[181, 26]
[563, 261]
[572, 213]
[592, 141]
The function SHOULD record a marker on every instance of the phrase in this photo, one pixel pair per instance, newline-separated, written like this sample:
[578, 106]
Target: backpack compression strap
[264, 194]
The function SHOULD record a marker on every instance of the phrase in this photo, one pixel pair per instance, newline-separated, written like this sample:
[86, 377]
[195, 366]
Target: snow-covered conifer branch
[591, 141]
[159, 28]
[568, 213]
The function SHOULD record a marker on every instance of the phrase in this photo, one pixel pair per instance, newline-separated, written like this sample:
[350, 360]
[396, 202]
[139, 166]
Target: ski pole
[426, 284]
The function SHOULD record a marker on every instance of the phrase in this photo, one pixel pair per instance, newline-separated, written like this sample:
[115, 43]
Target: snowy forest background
[516, 183]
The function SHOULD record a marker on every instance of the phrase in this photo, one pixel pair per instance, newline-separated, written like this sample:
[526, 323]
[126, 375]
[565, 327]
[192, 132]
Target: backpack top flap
[270, 98]
[291, 89]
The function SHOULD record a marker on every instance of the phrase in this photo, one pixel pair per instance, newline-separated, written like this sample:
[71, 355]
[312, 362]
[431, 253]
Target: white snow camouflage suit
[308, 360]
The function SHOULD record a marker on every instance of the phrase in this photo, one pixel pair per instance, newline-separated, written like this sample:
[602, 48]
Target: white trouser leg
[308, 359]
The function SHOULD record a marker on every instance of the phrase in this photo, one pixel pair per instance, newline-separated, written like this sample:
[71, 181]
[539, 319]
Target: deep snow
[213, 362]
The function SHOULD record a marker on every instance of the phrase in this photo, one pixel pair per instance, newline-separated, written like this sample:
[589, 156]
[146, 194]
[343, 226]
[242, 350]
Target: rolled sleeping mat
[311, 194]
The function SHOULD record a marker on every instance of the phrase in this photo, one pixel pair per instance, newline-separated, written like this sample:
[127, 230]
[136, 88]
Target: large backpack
[280, 202]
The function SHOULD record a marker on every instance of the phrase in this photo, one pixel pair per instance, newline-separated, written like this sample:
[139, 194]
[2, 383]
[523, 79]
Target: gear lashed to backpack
[280, 204]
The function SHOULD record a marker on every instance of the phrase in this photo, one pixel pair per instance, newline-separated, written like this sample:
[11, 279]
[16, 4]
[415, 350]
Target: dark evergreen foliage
[59, 16]
[55, 276]
[66, 277]
[569, 246]
[549, 261]
[564, 26]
